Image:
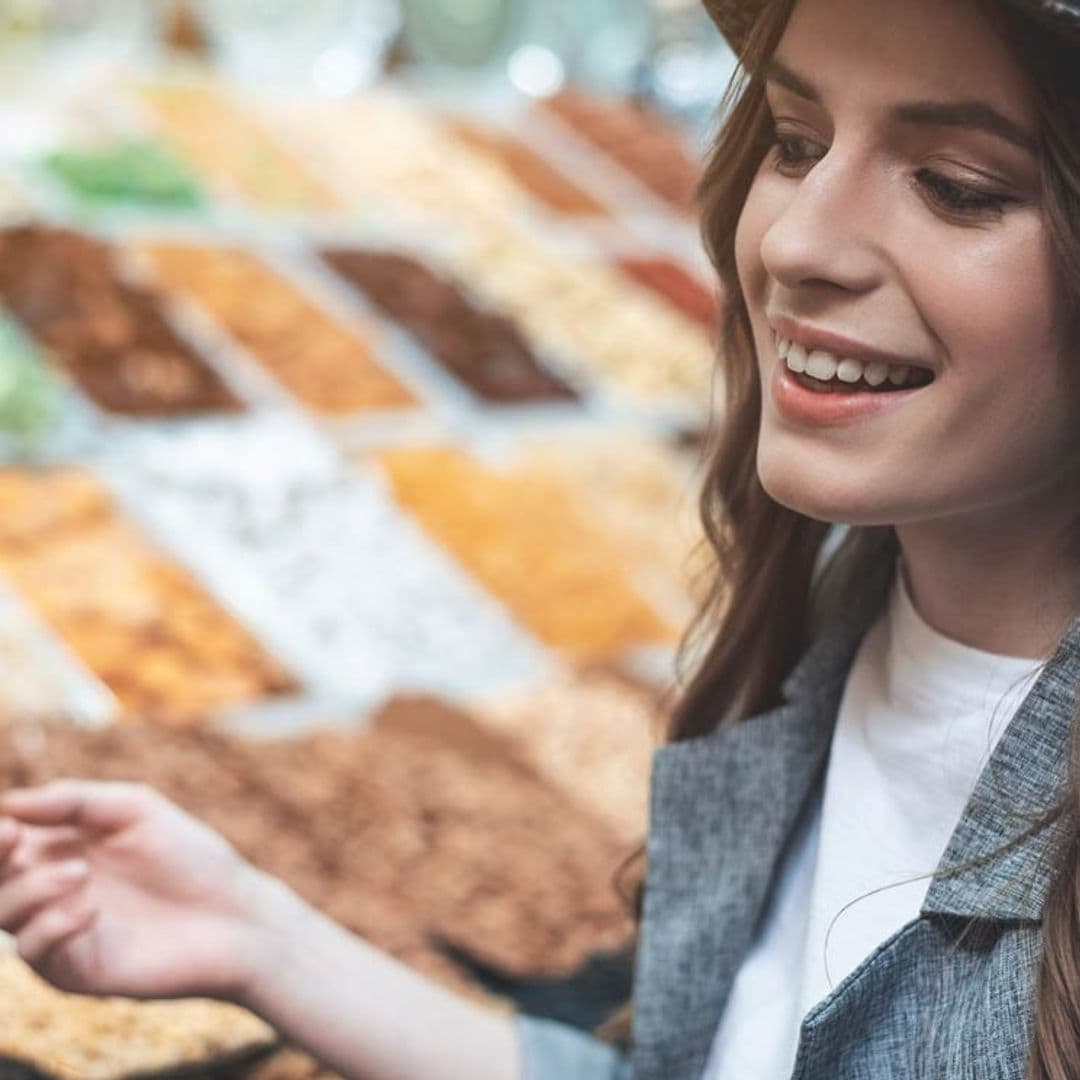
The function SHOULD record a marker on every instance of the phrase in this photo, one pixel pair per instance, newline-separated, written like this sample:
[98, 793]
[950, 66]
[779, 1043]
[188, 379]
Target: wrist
[271, 918]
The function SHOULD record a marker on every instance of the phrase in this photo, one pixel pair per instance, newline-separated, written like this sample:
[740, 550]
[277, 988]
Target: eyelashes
[795, 155]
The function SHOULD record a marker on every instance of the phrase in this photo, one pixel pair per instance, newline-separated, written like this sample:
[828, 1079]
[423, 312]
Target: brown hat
[735, 17]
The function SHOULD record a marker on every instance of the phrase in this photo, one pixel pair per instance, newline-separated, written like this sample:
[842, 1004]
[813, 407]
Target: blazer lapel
[999, 864]
[722, 808]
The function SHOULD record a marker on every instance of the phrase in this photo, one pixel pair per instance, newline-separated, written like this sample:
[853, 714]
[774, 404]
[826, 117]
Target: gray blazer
[948, 996]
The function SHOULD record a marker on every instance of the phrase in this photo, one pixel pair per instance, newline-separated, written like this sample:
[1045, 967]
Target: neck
[1005, 586]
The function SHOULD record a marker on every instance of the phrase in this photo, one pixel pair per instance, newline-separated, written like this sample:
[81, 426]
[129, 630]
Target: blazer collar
[710, 870]
[722, 809]
[998, 864]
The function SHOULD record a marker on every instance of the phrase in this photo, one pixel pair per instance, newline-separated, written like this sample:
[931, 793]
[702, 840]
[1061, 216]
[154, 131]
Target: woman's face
[897, 222]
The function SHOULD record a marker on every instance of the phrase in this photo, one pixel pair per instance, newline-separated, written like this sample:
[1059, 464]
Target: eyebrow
[974, 115]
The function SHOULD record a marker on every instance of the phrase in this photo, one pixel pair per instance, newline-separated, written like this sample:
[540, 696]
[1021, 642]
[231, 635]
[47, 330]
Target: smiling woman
[864, 852]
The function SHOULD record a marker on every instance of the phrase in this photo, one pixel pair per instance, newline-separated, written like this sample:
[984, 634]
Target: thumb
[90, 804]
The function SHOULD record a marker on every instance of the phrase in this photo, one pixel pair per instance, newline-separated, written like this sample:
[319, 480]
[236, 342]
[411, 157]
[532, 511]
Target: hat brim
[735, 17]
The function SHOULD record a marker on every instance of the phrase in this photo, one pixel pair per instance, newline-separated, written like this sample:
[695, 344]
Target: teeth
[821, 365]
[824, 366]
[849, 371]
[876, 372]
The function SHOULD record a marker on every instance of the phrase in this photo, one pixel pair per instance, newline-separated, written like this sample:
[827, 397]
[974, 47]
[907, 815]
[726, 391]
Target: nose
[829, 233]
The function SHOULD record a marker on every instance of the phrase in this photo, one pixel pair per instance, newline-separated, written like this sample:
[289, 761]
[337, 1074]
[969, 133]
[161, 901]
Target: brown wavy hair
[763, 602]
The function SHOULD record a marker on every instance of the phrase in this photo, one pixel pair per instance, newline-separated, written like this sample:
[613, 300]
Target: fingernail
[73, 869]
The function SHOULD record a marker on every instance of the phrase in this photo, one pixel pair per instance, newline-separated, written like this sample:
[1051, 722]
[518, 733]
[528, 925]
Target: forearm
[361, 1012]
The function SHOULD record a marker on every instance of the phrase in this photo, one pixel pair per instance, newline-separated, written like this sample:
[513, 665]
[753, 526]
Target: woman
[893, 208]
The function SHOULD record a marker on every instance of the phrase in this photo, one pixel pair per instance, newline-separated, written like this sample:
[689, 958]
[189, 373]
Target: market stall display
[361, 523]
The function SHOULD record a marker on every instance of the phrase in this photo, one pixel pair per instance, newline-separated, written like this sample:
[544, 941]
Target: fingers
[23, 896]
[84, 803]
[53, 926]
[9, 837]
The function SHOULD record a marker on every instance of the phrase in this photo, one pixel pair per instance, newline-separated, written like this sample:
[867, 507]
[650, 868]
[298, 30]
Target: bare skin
[110, 889]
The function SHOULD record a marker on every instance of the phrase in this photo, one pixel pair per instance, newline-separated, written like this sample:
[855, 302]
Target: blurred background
[355, 367]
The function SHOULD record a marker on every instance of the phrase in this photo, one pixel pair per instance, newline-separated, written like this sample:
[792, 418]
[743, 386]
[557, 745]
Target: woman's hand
[109, 888]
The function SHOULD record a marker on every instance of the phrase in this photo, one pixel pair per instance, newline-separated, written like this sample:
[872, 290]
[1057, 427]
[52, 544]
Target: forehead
[892, 50]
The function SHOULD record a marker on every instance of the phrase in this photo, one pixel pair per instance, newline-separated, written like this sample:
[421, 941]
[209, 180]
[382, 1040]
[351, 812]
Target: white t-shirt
[919, 717]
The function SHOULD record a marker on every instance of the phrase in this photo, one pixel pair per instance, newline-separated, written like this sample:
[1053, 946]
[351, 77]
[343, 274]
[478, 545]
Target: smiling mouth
[825, 373]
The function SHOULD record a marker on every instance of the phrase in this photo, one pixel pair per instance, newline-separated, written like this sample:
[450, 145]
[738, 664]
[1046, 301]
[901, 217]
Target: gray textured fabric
[551, 1051]
[950, 995]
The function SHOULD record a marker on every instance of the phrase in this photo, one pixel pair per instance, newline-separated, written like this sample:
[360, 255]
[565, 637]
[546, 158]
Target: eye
[792, 152]
[961, 199]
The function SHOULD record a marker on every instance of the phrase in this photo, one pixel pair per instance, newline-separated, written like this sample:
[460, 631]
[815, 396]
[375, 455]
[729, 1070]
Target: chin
[832, 500]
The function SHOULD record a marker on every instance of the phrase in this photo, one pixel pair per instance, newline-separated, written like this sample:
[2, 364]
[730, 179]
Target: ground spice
[327, 367]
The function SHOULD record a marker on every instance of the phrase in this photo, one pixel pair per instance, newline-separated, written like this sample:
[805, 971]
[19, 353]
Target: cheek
[753, 224]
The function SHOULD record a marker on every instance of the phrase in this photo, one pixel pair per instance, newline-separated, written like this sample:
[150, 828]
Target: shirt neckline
[926, 664]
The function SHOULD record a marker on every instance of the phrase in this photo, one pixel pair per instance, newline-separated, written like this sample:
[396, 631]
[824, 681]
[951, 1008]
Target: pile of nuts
[111, 336]
[313, 356]
[427, 827]
[134, 617]
[591, 734]
[68, 1037]
[484, 350]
